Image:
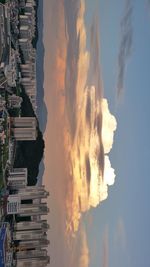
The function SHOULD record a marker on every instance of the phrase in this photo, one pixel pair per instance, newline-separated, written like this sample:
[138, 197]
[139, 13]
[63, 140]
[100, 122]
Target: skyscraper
[17, 178]
[24, 128]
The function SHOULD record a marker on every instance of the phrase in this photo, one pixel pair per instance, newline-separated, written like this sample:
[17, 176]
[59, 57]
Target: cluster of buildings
[17, 34]
[27, 27]
[27, 238]
[23, 225]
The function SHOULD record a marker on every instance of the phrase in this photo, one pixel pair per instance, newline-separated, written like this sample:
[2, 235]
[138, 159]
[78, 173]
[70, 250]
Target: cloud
[84, 252]
[109, 172]
[125, 45]
[120, 244]
[105, 248]
[75, 163]
[120, 239]
[77, 58]
[109, 125]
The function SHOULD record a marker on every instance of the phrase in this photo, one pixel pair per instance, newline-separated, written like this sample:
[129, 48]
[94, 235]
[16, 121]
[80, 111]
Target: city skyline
[23, 229]
[74, 132]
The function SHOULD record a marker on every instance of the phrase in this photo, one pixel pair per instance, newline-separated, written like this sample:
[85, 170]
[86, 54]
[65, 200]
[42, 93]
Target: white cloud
[109, 125]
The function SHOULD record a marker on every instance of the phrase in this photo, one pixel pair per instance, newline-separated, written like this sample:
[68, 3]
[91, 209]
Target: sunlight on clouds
[90, 168]
[109, 126]
[90, 177]
[109, 172]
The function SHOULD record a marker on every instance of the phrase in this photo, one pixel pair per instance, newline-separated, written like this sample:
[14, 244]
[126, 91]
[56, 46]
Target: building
[24, 128]
[24, 122]
[31, 254]
[16, 202]
[29, 237]
[17, 178]
[31, 225]
[32, 244]
[28, 52]
[24, 134]
[41, 261]
[14, 101]
[32, 192]
[28, 234]
[28, 70]
[13, 204]
[25, 32]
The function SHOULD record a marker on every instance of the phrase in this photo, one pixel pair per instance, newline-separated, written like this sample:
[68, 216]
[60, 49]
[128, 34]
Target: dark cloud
[125, 45]
[88, 110]
[98, 123]
[100, 153]
[101, 161]
[88, 171]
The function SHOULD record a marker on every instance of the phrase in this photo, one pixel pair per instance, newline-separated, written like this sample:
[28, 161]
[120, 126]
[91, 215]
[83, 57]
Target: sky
[96, 85]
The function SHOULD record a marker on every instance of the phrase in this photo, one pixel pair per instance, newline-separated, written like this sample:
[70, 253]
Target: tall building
[25, 32]
[16, 204]
[24, 122]
[33, 209]
[32, 244]
[17, 178]
[31, 254]
[32, 192]
[28, 70]
[13, 204]
[24, 134]
[31, 225]
[41, 261]
[28, 234]
[30, 237]
[24, 128]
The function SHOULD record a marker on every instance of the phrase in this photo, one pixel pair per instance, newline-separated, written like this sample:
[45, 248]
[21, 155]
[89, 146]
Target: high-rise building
[33, 209]
[17, 178]
[31, 253]
[32, 192]
[13, 204]
[24, 134]
[16, 204]
[24, 122]
[24, 128]
[28, 234]
[41, 261]
[25, 32]
[32, 244]
[31, 225]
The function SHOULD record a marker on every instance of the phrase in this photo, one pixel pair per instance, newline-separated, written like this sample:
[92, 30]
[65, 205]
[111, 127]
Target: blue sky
[127, 207]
